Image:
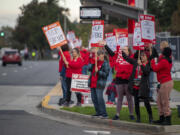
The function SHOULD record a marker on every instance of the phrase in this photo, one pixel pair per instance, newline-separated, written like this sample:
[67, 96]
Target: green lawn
[177, 85]
[124, 115]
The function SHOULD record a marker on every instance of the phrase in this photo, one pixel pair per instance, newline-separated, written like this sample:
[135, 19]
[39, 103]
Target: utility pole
[145, 6]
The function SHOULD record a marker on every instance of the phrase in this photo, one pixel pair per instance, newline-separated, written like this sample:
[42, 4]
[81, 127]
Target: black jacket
[102, 74]
[144, 87]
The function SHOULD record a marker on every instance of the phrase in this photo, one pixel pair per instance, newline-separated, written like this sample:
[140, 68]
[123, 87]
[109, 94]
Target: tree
[6, 39]
[175, 21]
[34, 16]
[168, 8]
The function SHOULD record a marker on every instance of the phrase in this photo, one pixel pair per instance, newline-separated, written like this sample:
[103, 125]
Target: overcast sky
[9, 10]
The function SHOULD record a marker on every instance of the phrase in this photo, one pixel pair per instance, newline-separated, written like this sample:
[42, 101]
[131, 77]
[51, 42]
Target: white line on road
[24, 68]
[4, 74]
[30, 67]
[97, 132]
[15, 71]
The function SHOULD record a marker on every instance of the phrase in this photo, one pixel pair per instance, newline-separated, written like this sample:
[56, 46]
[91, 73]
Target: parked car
[11, 57]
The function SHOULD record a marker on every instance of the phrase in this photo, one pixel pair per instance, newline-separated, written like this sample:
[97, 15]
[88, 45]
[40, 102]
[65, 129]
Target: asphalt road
[22, 89]
[30, 73]
[20, 116]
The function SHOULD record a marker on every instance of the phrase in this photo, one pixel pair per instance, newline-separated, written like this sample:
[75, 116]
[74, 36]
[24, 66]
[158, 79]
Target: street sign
[90, 12]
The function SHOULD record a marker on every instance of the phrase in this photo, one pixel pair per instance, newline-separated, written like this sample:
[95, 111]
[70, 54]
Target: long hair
[77, 50]
[103, 52]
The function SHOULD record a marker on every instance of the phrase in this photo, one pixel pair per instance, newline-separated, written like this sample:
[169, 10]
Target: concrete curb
[139, 127]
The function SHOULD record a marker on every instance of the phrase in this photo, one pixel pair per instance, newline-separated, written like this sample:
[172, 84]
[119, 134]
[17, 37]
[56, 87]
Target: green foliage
[163, 11]
[177, 85]
[33, 17]
[175, 27]
[124, 114]
[83, 31]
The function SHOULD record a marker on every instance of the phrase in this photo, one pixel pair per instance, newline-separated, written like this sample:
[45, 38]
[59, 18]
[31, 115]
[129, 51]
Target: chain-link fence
[174, 42]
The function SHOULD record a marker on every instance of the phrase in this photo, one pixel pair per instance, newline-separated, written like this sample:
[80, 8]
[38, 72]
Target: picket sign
[71, 36]
[147, 25]
[121, 37]
[79, 83]
[137, 43]
[97, 33]
[111, 41]
[120, 60]
[77, 43]
[55, 35]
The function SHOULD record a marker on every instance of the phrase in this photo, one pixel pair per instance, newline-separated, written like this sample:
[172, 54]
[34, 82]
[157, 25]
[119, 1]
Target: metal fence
[174, 42]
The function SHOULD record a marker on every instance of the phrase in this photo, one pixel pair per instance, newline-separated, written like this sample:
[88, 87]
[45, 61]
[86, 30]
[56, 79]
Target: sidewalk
[49, 105]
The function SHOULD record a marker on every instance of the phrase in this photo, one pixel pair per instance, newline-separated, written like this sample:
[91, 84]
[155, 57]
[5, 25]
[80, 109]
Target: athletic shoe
[104, 117]
[131, 117]
[115, 117]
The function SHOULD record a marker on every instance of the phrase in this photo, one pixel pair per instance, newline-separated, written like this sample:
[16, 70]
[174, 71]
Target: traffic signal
[2, 34]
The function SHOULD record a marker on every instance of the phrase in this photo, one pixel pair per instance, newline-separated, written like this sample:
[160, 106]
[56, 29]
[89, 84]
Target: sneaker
[71, 102]
[78, 104]
[115, 117]
[61, 101]
[104, 117]
[95, 115]
[66, 104]
[131, 117]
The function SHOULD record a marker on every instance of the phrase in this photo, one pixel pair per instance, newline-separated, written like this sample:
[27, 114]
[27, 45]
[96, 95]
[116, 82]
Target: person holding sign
[97, 83]
[163, 70]
[139, 82]
[62, 71]
[123, 72]
[74, 66]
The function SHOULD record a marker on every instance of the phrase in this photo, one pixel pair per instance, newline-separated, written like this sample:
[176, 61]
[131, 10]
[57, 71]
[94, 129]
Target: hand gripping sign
[97, 33]
[137, 43]
[147, 23]
[54, 35]
[121, 37]
[80, 83]
[111, 41]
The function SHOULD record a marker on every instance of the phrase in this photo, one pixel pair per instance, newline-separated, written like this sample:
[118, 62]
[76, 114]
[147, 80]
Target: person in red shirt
[62, 71]
[163, 70]
[85, 56]
[74, 66]
[123, 72]
[97, 83]
[111, 93]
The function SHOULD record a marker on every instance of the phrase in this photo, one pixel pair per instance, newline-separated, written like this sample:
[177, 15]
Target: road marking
[15, 71]
[97, 132]
[24, 68]
[4, 74]
[30, 67]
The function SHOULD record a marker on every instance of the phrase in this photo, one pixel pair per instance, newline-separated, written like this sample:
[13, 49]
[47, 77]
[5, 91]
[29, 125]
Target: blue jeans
[110, 76]
[63, 82]
[98, 101]
[111, 97]
[85, 69]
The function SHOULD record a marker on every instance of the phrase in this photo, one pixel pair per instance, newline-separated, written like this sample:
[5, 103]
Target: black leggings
[146, 103]
[68, 97]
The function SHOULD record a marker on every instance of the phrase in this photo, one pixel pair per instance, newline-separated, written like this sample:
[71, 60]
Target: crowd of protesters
[131, 78]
